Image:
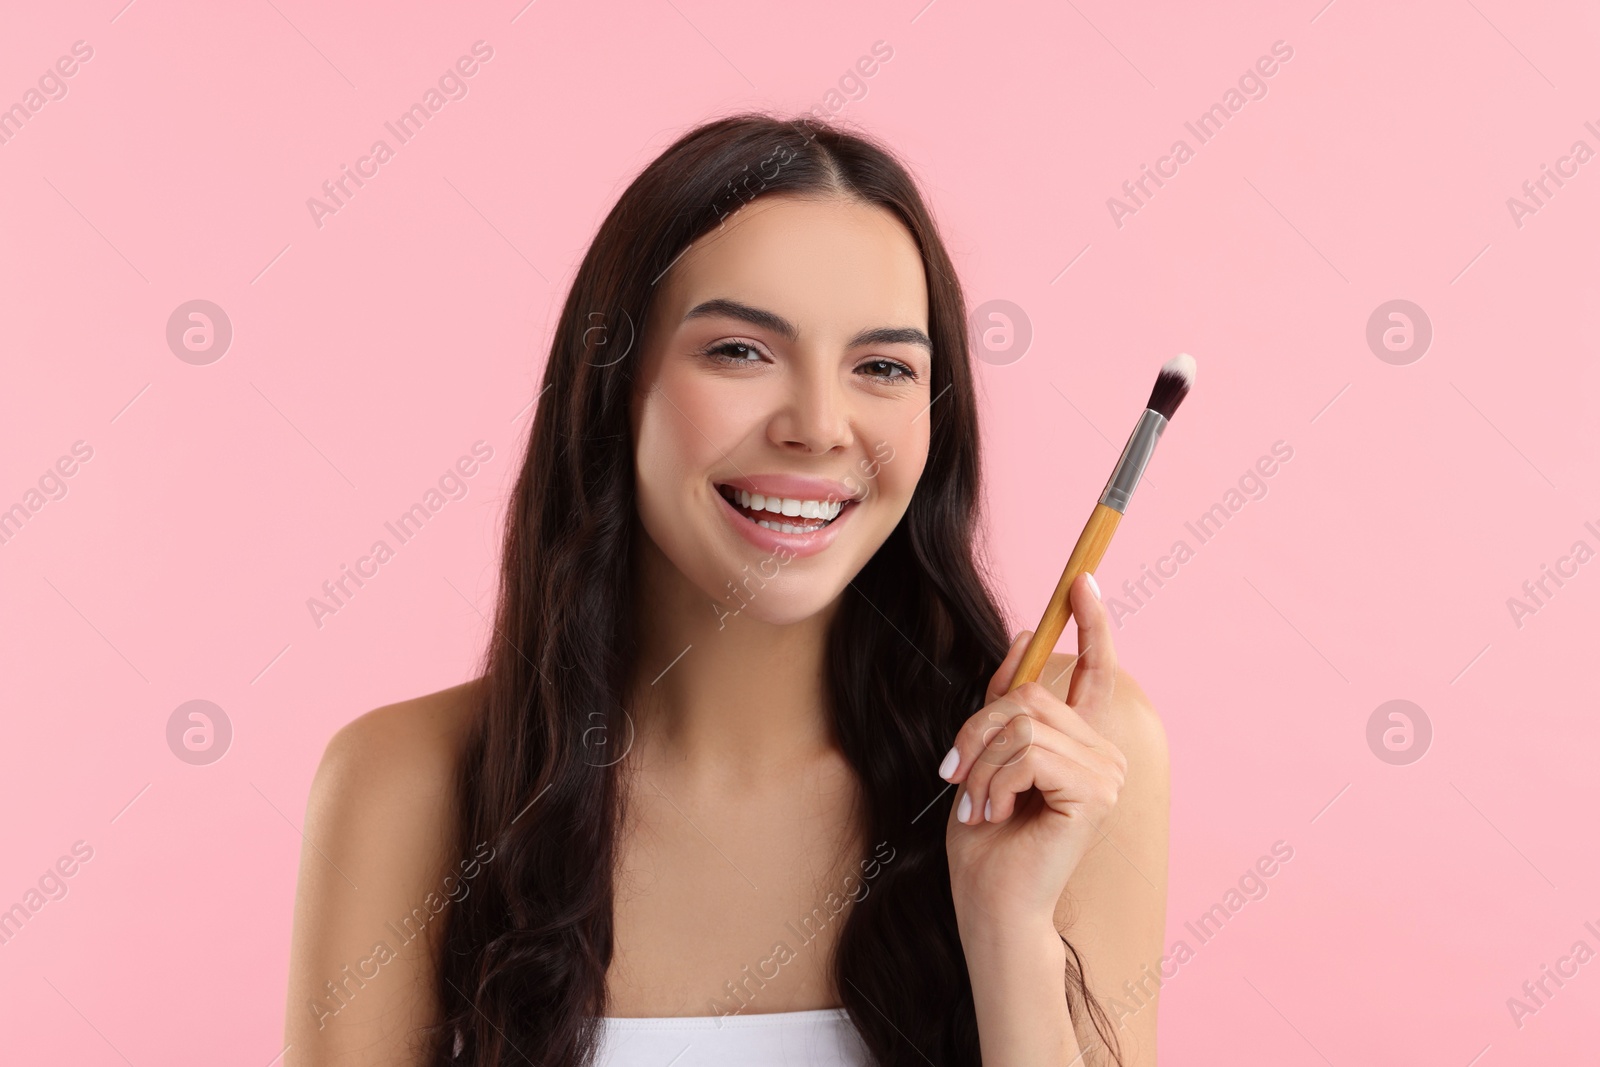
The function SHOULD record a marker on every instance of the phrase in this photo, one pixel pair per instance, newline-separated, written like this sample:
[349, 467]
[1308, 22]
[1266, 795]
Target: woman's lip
[795, 545]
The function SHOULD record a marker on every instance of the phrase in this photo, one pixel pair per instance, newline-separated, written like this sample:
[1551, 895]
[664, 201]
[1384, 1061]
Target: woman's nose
[816, 417]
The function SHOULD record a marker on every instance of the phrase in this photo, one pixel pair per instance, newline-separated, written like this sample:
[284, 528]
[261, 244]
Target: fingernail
[964, 809]
[952, 760]
[988, 811]
[1094, 586]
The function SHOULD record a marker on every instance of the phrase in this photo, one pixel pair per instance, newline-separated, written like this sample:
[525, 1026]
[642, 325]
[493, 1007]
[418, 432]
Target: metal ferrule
[1130, 468]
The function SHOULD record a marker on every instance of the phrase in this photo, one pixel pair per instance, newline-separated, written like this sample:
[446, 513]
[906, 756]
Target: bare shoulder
[392, 768]
[419, 740]
[375, 876]
[1114, 910]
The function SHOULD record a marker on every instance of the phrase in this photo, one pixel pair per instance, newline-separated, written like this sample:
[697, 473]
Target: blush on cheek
[673, 461]
[895, 457]
[675, 440]
[692, 422]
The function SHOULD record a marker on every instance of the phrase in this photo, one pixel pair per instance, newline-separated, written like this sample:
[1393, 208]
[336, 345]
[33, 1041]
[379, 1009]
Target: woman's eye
[734, 352]
[741, 352]
[888, 370]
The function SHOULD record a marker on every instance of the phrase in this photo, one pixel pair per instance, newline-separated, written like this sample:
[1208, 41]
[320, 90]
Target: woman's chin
[770, 607]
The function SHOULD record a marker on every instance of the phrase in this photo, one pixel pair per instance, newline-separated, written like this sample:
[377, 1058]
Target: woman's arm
[1075, 770]
[1016, 971]
[376, 875]
[1113, 913]
[1115, 907]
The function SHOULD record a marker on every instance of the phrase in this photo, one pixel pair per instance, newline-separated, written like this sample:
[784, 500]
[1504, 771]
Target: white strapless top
[824, 1037]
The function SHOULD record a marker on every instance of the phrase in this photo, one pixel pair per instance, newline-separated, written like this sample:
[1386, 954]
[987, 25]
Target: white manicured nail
[952, 760]
[988, 811]
[1094, 586]
[964, 809]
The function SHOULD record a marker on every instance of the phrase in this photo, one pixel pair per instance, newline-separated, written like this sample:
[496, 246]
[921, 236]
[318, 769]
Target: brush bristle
[1172, 385]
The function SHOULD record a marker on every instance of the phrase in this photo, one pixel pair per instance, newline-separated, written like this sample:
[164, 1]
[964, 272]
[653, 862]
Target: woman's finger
[1005, 746]
[1035, 699]
[1021, 742]
[1094, 675]
[974, 741]
[1007, 742]
[1080, 779]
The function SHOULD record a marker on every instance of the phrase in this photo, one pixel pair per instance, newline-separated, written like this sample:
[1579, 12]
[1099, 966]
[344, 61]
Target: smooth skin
[744, 815]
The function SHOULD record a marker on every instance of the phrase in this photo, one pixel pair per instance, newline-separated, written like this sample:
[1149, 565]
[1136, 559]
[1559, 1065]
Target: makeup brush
[1172, 385]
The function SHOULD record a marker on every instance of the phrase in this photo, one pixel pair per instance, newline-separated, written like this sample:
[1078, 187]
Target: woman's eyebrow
[770, 320]
[892, 335]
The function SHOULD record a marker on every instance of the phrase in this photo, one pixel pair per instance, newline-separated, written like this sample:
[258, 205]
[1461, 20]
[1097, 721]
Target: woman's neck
[719, 694]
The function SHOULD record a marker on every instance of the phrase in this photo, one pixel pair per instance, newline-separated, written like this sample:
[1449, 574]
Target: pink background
[369, 353]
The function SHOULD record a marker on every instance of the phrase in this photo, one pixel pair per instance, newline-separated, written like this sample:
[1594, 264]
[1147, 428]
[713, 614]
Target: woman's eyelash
[906, 374]
[724, 352]
[720, 350]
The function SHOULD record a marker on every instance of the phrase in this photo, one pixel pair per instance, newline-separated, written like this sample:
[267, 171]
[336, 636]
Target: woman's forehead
[835, 265]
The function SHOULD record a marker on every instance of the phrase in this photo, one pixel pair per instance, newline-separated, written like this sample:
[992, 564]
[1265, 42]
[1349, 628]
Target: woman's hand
[1037, 783]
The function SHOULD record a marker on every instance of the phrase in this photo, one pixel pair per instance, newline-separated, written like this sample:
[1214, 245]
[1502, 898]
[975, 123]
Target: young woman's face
[786, 368]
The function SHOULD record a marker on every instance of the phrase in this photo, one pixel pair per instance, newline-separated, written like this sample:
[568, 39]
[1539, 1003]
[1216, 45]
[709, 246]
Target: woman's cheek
[662, 473]
[705, 414]
[897, 455]
[673, 435]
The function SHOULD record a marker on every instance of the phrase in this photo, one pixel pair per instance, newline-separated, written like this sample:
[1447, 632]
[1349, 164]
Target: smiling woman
[732, 396]
[743, 632]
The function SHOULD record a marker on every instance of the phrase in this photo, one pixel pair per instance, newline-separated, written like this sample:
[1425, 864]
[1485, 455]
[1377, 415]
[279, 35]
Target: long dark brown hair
[522, 975]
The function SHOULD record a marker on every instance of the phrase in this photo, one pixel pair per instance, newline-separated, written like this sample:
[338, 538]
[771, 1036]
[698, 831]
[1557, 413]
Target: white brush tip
[1182, 365]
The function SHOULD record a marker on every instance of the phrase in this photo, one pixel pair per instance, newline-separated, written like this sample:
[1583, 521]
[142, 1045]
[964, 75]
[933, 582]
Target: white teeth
[824, 511]
[788, 506]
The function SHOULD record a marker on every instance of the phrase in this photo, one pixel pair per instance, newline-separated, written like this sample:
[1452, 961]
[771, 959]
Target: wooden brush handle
[1086, 556]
